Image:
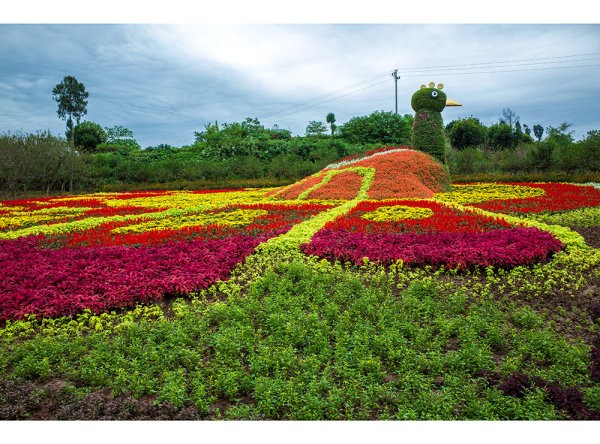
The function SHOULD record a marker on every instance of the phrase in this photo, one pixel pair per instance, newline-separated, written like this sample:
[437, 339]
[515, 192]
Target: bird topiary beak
[450, 102]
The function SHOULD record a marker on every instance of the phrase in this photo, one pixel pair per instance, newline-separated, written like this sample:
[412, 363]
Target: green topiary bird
[428, 128]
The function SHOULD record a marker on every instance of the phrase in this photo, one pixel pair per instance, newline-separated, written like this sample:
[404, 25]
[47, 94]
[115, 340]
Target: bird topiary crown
[432, 98]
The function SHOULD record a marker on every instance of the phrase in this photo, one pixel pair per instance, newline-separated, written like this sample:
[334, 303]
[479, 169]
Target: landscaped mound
[400, 172]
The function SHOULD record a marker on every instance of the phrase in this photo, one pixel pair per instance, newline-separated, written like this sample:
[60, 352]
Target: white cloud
[166, 81]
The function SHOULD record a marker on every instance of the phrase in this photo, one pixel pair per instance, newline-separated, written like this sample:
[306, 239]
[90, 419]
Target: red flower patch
[444, 219]
[295, 190]
[557, 197]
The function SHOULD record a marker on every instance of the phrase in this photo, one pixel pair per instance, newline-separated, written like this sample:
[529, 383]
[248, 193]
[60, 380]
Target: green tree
[589, 149]
[560, 134]
[379, 127]
[71, 97]
[315, 129]
[118, 138]
[35, 162]
[116, 133]
[88, 135]
[559, 143]
[538, 130]
[509, 117]
[501, 136]
[468, 132]
[541, 157]
[330, 119]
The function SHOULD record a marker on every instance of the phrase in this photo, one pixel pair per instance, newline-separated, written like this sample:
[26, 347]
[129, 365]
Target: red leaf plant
[500, 248]
[50, 283]
[280, 219]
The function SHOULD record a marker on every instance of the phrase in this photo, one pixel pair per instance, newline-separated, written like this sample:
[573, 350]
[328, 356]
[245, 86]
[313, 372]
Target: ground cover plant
[312, 301]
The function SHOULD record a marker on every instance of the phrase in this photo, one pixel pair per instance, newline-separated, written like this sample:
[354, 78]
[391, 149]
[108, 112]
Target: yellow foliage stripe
[397, 212]
[303, 232]
[180, 203]
[233, 218]
[483, 192]
[183, 200]
[329, 175]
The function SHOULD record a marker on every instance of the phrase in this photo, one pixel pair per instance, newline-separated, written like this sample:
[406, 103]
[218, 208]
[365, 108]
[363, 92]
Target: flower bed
[363, 218]
[556, 197]
[49, 282]
[422, 233]
[399, 173]
[130, 240]
[131, 250]
[458, 250]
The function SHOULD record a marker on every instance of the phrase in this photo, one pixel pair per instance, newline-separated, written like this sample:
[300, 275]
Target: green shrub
[88, 135]
[467, 132]
[379, 127]
[501, 136]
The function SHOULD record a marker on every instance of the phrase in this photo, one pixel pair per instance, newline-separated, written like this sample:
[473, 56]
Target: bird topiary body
[428, 128]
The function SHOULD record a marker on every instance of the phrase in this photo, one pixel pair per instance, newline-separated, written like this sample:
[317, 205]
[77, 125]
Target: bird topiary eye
[434, 94]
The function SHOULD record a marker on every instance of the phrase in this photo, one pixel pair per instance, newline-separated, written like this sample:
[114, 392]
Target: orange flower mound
[400, 172]
[407, 173]
[343, 186]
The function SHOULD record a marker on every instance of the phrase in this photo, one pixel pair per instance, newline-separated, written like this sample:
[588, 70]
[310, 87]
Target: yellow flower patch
[184, 200]
[397, 212]
[235, 218]
[483, 192]
[17, 219]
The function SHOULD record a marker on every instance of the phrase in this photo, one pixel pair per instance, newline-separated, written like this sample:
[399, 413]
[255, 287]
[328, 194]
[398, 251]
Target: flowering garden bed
[238, 304]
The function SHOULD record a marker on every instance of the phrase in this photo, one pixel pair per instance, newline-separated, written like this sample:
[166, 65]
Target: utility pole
[396, 77]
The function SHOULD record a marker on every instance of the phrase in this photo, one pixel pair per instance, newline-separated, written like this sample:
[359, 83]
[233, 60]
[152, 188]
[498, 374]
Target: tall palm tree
[331, 121]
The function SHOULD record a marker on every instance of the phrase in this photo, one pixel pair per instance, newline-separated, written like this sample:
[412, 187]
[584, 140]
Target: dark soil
[568, 400]
[56, 400]
[591, 235]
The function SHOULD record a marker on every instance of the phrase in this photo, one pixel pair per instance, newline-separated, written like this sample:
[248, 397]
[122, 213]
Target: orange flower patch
[295, 190]
[405, 174]
[344, 186]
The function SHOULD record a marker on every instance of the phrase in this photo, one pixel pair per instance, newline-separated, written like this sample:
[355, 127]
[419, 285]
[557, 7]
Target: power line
[503, 61]
[508, 70]
[420, 71]
[516, 65]
[293, 111]
[323, 96]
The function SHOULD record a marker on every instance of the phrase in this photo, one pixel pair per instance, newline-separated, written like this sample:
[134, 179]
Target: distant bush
[465, 133]
[501, 136]
[88, 135]
[381, 127]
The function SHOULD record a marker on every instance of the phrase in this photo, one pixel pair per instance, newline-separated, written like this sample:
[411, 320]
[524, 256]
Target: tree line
[92, 158]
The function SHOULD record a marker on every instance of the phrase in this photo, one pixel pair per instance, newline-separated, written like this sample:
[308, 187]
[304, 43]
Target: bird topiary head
[432, 98]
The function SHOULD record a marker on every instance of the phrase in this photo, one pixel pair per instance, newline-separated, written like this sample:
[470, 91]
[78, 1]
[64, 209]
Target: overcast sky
[166, 81]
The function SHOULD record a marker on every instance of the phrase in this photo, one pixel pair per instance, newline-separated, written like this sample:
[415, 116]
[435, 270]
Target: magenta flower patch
[500, 248]
[49, 283]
